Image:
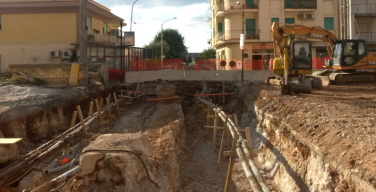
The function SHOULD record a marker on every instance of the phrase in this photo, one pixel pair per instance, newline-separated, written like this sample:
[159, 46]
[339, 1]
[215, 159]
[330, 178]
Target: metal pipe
[254, 177]
[57, 169]
[41, 153]
[49, 186]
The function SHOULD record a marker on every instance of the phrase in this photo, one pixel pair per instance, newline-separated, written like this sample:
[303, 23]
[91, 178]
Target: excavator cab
[347, 53]
[302, 51]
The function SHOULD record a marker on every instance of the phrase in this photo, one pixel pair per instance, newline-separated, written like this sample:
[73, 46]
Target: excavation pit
[307, 142]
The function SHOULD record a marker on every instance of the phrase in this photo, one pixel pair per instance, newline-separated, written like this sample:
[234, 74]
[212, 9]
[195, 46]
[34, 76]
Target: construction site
[188, 136]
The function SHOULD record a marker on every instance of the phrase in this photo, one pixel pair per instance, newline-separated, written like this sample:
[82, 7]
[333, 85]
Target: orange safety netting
[155, 64]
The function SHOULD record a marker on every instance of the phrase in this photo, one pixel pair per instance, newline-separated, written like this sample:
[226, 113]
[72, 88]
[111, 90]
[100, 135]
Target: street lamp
[162, 38]
[242, 79]
[132, 15]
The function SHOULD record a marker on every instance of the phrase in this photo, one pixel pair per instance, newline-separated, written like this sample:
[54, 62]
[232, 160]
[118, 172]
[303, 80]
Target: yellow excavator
[350, 61]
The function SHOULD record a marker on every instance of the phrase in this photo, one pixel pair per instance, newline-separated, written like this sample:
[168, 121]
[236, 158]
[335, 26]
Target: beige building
[226, 24]
[47, 32]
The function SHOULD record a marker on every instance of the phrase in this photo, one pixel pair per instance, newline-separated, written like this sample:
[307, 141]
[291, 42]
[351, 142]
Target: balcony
[234, 35]
[300, 4]
[363, 10]
[231, 6]
[370, 37]
[102, 38]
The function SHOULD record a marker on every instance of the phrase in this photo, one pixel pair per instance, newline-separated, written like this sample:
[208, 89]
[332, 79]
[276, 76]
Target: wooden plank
[236, 120]
[6, 141]
[91, 108]
[73, 122]
[81, 119]
[116, 104]
[226, 153]
[213, 127]
[222, 142]
[257, 150]
[99, 107]
[214, 144]
[223, 86]
[241, 130]
[108, 108]
[231, 163]
[248, 136]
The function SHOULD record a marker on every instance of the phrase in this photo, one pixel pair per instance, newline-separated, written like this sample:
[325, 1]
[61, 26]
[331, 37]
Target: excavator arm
[294, 29]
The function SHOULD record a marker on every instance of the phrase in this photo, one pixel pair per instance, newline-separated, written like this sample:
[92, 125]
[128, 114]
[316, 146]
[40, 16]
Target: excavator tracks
[343, 78]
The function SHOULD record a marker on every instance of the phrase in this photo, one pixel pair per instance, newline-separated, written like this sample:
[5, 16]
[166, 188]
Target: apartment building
[226, 24]
[358, 20]
[47, 32]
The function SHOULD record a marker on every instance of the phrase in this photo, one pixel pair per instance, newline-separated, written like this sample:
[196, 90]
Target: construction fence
[211, 64]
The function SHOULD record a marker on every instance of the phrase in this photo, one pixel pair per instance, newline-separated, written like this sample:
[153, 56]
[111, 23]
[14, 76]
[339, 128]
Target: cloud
[150, 3]
[192, 22]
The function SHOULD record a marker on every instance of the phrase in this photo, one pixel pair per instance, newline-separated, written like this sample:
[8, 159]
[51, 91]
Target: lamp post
[132, 15]
[162, 38]
[242, 76]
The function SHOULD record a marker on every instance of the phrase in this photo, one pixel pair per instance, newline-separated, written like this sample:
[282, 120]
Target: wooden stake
[222, 142]
[223, 85]
[81, 119]
[108, 107]
[249, 139]
[91, 108]
[207, 114]
[214, 144]
[231, 163]
[99, 107]
[116, 104]
[236, 120]
[73, 122]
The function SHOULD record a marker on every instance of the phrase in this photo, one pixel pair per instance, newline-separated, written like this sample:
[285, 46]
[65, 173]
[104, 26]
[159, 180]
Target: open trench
[170, 137]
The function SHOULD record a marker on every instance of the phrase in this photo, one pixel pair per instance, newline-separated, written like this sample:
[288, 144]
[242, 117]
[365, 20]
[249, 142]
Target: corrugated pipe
[254, 177]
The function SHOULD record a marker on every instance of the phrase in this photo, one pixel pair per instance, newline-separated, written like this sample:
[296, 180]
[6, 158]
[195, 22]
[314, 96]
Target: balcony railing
[300, 4]
[233, 6]
[364, 8]
[102, 38]
[235, 35]
[370, 37]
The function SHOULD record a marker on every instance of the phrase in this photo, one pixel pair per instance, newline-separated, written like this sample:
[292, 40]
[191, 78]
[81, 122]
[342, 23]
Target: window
[275, 19]
[361, 48]
[88, 23]
[288, 4]
[250, 26]
[104, 28]
[289, 20]
[329, 23]
[249, 3]
[220, 27]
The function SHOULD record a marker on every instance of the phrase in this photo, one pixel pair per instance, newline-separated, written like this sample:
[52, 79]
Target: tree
[175, 41]
[207, 54]
[157, 47]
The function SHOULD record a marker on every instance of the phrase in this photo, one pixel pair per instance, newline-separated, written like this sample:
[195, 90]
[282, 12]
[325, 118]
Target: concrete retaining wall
[191, 75]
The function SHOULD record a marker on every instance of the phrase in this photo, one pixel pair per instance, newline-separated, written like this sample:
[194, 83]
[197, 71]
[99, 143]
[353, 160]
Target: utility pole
[83, 37]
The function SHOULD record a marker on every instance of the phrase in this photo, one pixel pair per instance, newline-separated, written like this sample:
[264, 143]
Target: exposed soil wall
[307, 140]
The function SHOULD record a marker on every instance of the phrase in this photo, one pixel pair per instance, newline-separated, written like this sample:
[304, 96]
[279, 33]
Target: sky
[148, 15]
